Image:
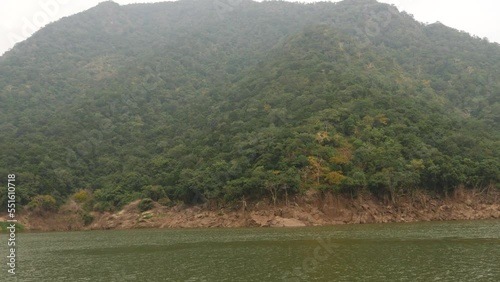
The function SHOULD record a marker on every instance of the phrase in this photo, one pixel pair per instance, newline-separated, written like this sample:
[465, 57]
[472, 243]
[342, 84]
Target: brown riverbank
[306, 210]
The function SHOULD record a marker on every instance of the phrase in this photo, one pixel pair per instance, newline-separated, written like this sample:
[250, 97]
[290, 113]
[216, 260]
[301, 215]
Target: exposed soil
[306, 210]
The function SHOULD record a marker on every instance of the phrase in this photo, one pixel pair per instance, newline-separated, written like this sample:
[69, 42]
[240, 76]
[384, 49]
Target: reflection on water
[438, 251]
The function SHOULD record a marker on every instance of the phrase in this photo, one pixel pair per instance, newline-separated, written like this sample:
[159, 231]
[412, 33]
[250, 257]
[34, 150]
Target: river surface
[431, 251]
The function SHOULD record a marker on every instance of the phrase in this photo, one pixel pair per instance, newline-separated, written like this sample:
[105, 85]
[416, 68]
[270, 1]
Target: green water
[438, 251]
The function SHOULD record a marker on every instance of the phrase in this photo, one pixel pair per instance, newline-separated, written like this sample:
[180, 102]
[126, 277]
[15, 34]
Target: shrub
[81, 196]
[154, 192]
[4, 225]
[145, 205]
[165, 202]
[103, 207]
[87, 219]
[43, 203]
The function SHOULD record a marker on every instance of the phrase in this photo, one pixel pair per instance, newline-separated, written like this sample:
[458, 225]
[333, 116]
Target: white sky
[19, 19]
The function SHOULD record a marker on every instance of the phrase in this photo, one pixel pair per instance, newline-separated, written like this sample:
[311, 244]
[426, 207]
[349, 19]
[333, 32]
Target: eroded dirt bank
[307, 210]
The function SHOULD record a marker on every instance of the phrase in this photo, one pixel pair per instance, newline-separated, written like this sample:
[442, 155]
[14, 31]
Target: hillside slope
[185, 101]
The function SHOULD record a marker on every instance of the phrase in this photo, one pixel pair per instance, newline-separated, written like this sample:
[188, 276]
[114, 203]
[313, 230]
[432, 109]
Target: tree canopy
[192, 102]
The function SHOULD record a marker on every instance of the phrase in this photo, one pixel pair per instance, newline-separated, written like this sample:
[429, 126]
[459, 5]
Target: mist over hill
[195, 101]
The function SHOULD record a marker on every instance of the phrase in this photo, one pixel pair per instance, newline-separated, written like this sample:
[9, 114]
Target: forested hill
[213, 100]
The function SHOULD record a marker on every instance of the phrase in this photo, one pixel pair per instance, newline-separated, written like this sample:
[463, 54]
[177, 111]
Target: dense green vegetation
[5, 225]
[186, 101]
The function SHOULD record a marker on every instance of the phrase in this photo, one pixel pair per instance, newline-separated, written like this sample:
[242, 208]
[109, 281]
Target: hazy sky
[20, 18]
